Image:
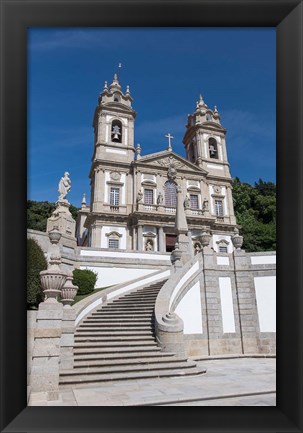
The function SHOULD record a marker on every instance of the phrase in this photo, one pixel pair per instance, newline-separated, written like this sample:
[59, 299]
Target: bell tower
[113, 124]
[204, 140]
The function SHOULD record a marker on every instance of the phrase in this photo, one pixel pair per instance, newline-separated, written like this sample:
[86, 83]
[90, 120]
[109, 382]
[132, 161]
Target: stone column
[140, 238]
[246, 303]
[46, 352]
[161, 242]
[98, 189]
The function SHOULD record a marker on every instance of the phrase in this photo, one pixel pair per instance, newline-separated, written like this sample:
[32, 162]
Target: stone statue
[197, 248]
[149, 246]
[160, 198]
[64, 187]
[139, 196]
[186, 202]
[205, 205]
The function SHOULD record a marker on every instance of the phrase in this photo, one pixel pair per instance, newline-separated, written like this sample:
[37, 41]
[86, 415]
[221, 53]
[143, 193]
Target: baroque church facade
[133, 196]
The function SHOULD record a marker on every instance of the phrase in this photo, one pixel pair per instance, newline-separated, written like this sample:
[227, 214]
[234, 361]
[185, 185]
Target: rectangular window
[219, 208]
[222, 249]
[194, 204]
[113, 243]
[148, 196]
[114, 196]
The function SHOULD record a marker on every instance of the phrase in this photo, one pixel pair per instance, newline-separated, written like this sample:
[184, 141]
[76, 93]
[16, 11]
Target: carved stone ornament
[167, 162]
[115, 175]
[172, 171]
[217, 189]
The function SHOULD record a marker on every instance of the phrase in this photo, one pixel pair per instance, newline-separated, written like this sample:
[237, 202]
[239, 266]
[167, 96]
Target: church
[133, 196]
[161, 236]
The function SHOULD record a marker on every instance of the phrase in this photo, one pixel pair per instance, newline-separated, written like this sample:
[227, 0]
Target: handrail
[171, 293]
[85, 306]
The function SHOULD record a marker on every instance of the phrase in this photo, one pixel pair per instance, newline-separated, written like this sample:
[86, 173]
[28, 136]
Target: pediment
[166, 159]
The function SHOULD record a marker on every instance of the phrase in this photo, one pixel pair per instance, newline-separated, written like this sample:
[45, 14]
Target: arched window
[116, 97]
[213, 148]
[209, 117]
[191, 153]
[170, 193]
[116, 131]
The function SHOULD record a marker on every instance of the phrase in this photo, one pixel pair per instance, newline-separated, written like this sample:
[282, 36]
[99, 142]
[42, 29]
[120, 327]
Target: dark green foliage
[255, 210]
[36, 262]
[85, 280]
[39, 211]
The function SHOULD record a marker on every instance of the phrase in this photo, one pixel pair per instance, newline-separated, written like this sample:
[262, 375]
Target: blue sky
[166, 69]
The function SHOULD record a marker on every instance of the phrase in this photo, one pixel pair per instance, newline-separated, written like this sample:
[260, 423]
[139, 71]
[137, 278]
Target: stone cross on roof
[169, 136]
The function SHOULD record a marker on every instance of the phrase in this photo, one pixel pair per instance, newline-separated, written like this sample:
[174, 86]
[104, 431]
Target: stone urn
[54, 235]
[237, 240]
[176, 254]
[52, 280]
[68, 291]
[205, 239]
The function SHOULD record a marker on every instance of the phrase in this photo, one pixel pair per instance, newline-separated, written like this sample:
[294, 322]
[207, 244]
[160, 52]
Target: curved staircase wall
[219, 304]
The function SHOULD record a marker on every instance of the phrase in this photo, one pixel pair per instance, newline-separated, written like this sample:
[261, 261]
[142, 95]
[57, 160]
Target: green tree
[39, 211]
[255, 210]
[36, 262]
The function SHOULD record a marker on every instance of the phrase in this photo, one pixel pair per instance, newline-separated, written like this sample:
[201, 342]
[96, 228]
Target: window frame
[172, 202]
[110, 195]
[145, 196]
[197, 198]
[218, 208]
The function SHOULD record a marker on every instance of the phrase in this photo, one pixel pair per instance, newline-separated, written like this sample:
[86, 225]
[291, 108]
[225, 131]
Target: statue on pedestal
[64, 187]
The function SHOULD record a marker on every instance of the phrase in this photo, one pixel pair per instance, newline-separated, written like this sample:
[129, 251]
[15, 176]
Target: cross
[169, 140]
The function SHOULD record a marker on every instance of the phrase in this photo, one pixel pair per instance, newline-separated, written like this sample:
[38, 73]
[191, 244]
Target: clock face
[115, 175]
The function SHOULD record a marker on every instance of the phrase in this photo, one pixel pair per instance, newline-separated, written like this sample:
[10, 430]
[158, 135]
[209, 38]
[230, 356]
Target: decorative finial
[83, 200]
[170, 137]
[127, 90]
[105, 85]
[115, 82]
[215, 110]
[138, 150]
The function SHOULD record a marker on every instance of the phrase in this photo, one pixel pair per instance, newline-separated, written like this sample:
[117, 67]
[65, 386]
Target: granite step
[84, 381]
[111, 344]
[114, 338]
[116, 322]
[127, 350]
[126, 369]
[125, 356]
[112, 329]
[128, 361]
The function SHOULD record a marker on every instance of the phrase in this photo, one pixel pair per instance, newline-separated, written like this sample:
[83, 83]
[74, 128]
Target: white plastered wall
[116, 275]
[265, 288]
[107, 229]
[190, 311]
[227, 308]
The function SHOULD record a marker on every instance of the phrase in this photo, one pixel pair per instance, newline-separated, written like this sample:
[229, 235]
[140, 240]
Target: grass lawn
[80, 297]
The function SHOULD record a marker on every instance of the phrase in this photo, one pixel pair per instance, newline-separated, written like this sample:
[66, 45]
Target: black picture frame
[16, 17]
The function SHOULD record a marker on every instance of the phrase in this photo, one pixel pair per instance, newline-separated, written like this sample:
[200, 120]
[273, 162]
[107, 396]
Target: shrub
[36, 262]
[85, 280]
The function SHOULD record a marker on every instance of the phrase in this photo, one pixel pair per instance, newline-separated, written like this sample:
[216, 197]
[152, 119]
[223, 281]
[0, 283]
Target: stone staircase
[117, 342]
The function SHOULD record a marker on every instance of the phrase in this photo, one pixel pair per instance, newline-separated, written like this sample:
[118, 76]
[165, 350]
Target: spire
[115, 82]
[127, 93]
[200, 103]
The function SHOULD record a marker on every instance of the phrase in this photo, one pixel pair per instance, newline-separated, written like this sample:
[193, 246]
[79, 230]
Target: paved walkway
[227, 382]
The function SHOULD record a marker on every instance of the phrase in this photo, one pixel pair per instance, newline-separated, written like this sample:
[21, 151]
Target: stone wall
[31, 326]
[227, 307]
